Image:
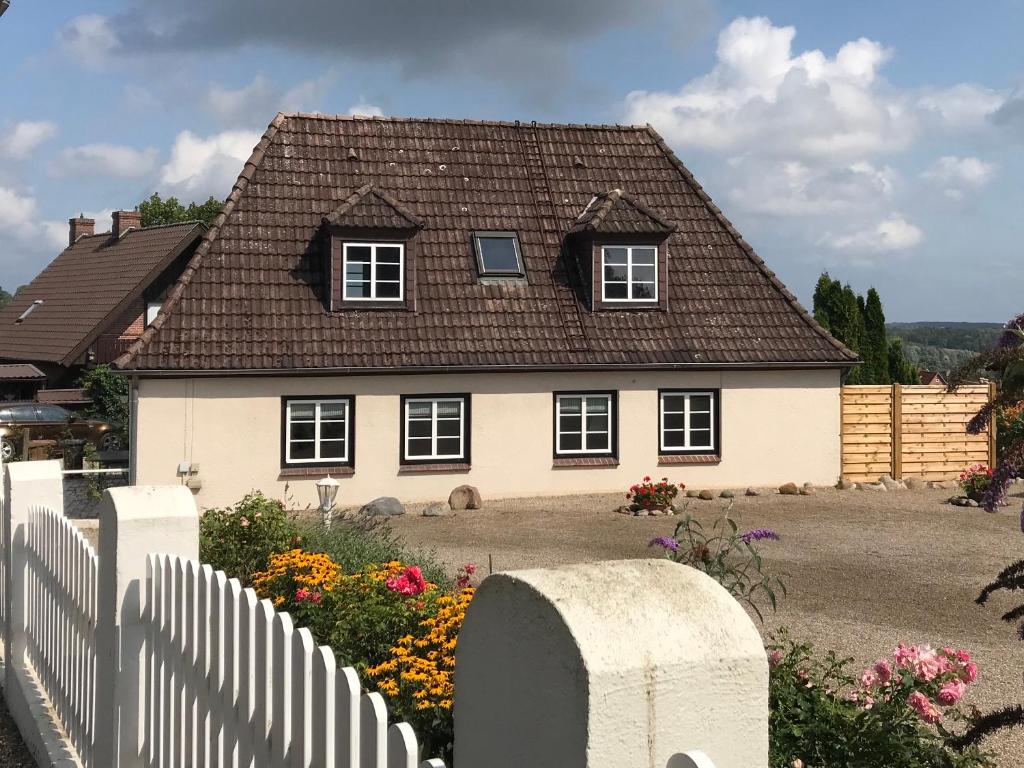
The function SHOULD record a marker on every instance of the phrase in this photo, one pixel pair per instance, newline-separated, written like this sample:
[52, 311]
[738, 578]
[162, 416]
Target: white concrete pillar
[27, 485]
[135, 521]
[629, 663]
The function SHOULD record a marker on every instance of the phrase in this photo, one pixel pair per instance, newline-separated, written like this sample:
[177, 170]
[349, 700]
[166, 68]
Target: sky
[879, 141]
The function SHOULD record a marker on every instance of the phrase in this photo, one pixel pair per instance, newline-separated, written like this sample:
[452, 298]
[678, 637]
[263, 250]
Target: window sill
[700, 458]
[585, 461]
[333, 471]
[413, 469]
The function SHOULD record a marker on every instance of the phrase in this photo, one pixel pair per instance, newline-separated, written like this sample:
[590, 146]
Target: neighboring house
[412, 304]
[94, 299]
[932, 377]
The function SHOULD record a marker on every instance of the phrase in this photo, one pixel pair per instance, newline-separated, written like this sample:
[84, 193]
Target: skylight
[498, 254]
[29, 311]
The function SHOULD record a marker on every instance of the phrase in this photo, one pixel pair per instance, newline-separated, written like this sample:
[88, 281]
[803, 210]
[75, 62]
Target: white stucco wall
[777, 426]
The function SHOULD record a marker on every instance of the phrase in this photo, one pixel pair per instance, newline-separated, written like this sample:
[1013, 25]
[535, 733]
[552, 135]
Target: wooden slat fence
[912, 431]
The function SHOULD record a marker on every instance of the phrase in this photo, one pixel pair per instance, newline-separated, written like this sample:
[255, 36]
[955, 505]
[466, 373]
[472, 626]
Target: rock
[465, 497]
[972, 503]
[845, 485]
[914, 483]
[727, 494]
[625, 510]
[789, 489]
[943, 485]
[706, 495]
[872, 487]
[437, 509]
[385, 506]
[751, 492]
[892, 485]
[807, 490]
[691, 494]
[657, 512]
[958, 501]
[642, 513]
[808, 485]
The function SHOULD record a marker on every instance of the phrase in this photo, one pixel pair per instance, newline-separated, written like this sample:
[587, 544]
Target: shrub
[240, 540]
[975, 481]
[894, 715]
[651, 495]
[729, 557]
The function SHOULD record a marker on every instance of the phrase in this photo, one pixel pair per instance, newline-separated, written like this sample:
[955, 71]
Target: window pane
[302, 451]
[449, 446]
[616, 291]
[302, 411]
[332, 430]
[332, 449]
[675, 421]
[700, 402]
[420, 428]
[597, 442]
[570, 442]
[597, 405]
[498, 254]
[332, 411]
[570, 423]
[674, 403]
[449, 409]
[389, 290]
[615, 255]
[357, 272]
[674, 439]
[419, 409]
[357, 290]
[597, 423]
[449, 427]
[419, 447]
[388, 254]
[391, 272]
[644, 256]
[357, 253]
[614, 272]
[700, 438]
[303, 431]
[700, 421]
[569, 405]
[643, 290]
[643, 274]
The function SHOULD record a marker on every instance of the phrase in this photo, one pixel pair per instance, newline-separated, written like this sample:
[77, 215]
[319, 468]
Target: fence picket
[229, 698]
[322, 712]
[403, 751]
[281, 714]
[246, 676]
[266, 684]
[302, 700]
[373, 727]
[347, 694]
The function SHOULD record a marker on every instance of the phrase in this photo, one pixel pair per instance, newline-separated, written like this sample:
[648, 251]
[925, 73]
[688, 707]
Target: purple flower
[1002, 476]
[758, 534]
[665, 542]
[1011, 337]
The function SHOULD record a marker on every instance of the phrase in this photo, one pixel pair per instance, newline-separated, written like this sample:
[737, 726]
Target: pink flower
[302, 595]
[774, 658]
[411, 582]
[969, 673]
[924, 707]
[244, 522]
[868, 678]
[963, 656]
[950, 693]
[883, 670]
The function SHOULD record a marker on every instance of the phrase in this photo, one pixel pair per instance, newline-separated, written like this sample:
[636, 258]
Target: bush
[975, 481]
[726, 555]
[895, 715]
[240, 540]
[651, 495]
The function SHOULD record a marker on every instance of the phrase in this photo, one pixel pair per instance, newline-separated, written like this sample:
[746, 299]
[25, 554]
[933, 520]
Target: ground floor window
[435, 428]
[688, 421]
[317, 430]
[584, 423]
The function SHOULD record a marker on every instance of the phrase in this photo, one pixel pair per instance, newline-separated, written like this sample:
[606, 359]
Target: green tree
[156, 211]
[876, 347]
[5, 298]
[109, 393]
[901, 371]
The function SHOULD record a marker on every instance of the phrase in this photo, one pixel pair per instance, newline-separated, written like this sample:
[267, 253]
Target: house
[932, 377]
[93, 300]
[413, 304]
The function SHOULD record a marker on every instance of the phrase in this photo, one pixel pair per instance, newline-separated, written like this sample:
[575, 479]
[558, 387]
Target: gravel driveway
[865, 570]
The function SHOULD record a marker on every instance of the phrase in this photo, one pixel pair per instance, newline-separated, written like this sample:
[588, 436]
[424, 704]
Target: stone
[727, 494]
[692, 494]
[437, 509]
[657, 512]
[641, 513]
[914, 483]
[751, 492]
[845, 485]
[706, 495]
[625, 510]
[385, 506]
[892, 485]
[872, 487]
[943, 485]
[807, 490]
[789, 489]
[972, 503]
[465, 497]
[958, 501]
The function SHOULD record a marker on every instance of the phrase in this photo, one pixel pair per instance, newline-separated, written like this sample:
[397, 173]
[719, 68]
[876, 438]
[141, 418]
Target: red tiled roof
[252, 297]
[616, 212]
[84, 288]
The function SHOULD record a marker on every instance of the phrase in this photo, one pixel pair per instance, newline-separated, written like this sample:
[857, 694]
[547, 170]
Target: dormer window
[498, 254]
[373, 271]
[629, 273]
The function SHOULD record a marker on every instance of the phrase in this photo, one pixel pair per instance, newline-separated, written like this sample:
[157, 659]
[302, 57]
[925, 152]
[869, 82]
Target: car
[51, 422]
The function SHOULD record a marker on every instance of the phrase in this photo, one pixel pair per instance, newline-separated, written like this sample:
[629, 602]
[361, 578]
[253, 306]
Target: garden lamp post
[327, 490]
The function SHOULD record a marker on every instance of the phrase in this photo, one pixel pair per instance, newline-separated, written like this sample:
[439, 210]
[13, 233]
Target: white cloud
[104, 160]
[20, 220]
[761, 96]
[22, 140]
[892, 234]
[364, 109]
[89, 40]
[199, 167]
[957, 174]
[962, 107]
[256, 103]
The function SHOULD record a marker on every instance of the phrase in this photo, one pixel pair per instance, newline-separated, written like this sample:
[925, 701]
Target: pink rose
[963, 656]
[774, 657]
[969, 673]
[868, 678]
[924, 707]
[950, 693]
[883, 670]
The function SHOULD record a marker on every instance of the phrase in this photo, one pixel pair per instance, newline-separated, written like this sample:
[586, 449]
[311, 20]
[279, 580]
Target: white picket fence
[232, 683]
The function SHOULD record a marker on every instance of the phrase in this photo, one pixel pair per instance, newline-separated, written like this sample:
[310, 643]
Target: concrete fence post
[135, 522]
[628, 663]
[27, 485]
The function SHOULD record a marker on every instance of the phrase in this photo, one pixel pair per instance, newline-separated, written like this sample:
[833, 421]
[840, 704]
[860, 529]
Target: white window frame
[373, 246]
[629, 274]
[688, 447]
[583, 450]
[152, 310]
[318, 403]
[478, 247]
[461, 456]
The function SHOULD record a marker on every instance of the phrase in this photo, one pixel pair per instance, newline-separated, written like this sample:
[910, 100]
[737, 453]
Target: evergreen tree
[156, 211]
[824, 301]
[901, 371]
[876, 347]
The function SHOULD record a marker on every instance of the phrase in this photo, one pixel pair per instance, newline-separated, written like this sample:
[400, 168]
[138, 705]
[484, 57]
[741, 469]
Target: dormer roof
[372, 208]
[615, 212]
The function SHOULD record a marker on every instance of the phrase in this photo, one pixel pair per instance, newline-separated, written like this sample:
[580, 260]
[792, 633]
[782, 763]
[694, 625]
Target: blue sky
[880, 141]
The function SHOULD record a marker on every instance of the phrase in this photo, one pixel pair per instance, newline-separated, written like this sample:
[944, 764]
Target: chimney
[79, 227]
[122, 221]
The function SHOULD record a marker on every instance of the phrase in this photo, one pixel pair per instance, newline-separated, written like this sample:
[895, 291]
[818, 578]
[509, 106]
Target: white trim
[686, 430]
[317, 421]
[629, 274]
[584, 432]
[434, 455]
[152, 310]
[373, 246]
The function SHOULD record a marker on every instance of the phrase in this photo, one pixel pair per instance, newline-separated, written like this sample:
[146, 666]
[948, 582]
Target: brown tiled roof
[63, 396]
[20, 372]
[374, 208]
[252, 295]
[615, 212]
[84, 288]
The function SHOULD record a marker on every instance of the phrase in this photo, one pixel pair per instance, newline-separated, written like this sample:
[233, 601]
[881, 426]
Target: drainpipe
[133, 429]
